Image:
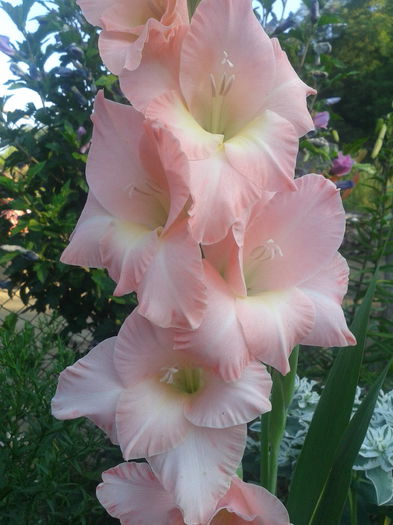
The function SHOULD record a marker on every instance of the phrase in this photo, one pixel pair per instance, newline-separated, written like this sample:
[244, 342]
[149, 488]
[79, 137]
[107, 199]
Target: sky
[22, 96]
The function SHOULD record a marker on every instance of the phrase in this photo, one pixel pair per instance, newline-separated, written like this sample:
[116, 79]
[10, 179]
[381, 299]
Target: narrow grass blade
[331, 504]
[330, 420]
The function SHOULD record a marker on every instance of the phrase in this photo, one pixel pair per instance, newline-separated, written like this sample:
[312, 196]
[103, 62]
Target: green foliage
[43, 172]
[330, 420]
[49, 468]
[366, 47]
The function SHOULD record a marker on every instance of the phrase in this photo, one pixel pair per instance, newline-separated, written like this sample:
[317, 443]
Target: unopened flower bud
[314, 11]
[341, 165]
[5, 46]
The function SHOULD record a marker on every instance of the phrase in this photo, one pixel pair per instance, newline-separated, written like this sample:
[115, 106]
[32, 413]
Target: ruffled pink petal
[113, 166]
[327, 289]
[265, 151]
[127, 250]
[149, 419]
[198, 472]
[84, 249]
[217, 44]
[172, 292]
[218, 342]
[121, 49]
[131, 493]
[220, 196]
[93, 9]
[158, 70]
[274, 322]
[168, 170]
[222, 404]
[90, 388]
[288, 94]
[292, 237]
[247, 502]
[142, 350]
[195, 141]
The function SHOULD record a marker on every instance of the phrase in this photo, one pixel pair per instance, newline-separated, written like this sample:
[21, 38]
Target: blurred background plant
[343, 48]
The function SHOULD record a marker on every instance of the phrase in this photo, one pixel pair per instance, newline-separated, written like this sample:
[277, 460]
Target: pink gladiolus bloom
[341, 165]
[131, 493]
[321, 120]
[167, 406]
[127, 26]
[283, 285]
[238, 112]
[134, 222]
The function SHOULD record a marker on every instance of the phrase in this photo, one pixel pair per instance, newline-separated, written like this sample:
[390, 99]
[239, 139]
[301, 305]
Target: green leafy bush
[49, 468]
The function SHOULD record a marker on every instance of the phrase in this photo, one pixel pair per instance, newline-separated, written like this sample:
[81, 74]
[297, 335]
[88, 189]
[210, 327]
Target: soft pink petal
[84, 248]
[113, 166]
[198, 472]
[168, 170]
[90, 388]
[120, 49]
[220, 197]
[327, 289]
[265, 151]
[93, 9]
[217, 31]
[149, 419]
[172, 292]
[305, 227]
[248, 502]
[288, 94]
[223, 404]
[127, 249]
[195, 141]
[274, 322]
[226, 257]
[158, 70]
[219, 341]
[131, 493]
[142, 350]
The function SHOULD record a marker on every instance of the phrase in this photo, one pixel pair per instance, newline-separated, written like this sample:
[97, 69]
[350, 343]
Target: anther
[226, 60]
[169, 374]
[267, 251]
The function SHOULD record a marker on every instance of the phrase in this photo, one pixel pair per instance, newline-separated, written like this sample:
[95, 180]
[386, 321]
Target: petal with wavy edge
[288, 94]
[126, 251]
[93, 9]
[307, 226]
[274, 322]
[90, 388]
[83, 249]
[327, 289]
[142, 350]
[172, 292]
[212, 48]
[158, 71]
[150, 419]
[121, 49]
[220, 196]
[198, 472]
[223, 404]
[131, 493]
[219, 341]
[113, 166]
[168, 169]
[249, 502]
[265, 151]
[170, 109]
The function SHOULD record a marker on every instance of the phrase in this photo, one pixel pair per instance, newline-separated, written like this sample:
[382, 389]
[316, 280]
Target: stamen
[228, 85]
[213, 85]
[169, 374]
[267, 251]
[223, 83]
